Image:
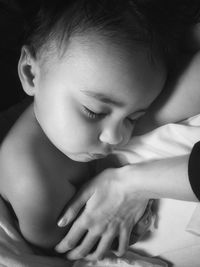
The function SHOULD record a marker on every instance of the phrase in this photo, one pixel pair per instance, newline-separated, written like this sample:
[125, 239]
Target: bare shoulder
[31, 185]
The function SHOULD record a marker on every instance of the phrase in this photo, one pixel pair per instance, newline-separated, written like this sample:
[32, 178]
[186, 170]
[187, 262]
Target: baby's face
[88, 102]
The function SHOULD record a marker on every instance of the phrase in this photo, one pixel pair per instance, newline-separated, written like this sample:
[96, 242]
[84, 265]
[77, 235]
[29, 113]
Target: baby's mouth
[98, 156]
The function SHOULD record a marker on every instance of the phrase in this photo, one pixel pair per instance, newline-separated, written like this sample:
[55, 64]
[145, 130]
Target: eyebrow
[105, 99]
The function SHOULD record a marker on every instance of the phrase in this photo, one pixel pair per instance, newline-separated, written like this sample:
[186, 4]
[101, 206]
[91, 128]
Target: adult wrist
[135, 182]
[164, 178]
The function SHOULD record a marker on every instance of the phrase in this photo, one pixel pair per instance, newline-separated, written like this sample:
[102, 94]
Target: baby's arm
[34, 196]
[35, 183]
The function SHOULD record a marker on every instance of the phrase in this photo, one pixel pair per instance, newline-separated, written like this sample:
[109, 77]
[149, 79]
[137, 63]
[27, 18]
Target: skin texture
[85, 105]
[115, 85]
[46, 180]
[33, 260]
[174, 103]
[64, 91]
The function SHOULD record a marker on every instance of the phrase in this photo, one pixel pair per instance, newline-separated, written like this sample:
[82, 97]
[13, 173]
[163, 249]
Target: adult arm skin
[181, 89]
[179, 100]
[165, 178]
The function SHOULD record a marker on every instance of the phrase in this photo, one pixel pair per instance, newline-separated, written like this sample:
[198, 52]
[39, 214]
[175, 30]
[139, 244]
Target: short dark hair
[150, 23]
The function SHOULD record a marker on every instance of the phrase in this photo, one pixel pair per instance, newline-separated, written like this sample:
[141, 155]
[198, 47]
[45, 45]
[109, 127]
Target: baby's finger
[83, 250]
[71, 239]
[74, 208]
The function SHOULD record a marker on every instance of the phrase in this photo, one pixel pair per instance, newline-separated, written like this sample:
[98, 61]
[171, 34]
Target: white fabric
[169, 140]
[130, 259]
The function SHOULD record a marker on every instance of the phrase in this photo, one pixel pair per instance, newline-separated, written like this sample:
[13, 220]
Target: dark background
[11, 31]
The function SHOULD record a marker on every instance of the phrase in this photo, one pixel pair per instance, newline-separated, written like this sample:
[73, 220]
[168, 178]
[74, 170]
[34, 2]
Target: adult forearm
[165, 178]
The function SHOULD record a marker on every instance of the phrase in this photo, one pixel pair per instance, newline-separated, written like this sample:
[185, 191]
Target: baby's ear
[27, 70]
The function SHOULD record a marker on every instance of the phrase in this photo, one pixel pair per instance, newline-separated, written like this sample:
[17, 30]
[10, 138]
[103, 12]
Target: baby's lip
[102, 153]
[99, 156]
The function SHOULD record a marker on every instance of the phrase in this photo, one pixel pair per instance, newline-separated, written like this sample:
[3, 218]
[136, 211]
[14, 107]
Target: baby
[93, 69]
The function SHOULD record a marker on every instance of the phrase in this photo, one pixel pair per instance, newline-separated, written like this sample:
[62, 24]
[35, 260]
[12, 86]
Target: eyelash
[92, 115]
[95, 116]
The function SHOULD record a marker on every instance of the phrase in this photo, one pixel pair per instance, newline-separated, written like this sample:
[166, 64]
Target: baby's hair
[148, 23]
[116, 20]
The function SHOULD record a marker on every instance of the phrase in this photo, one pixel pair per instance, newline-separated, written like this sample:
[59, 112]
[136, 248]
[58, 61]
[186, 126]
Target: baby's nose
[112, 136]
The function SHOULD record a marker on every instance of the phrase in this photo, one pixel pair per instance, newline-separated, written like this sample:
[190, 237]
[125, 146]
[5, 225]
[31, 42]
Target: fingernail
[60, 248]
[73, 256]
[62, 222]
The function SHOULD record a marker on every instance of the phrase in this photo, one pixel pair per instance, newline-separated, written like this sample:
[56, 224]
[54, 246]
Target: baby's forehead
[107, 50]
[98, 54]
[90, 42]
[88, 39]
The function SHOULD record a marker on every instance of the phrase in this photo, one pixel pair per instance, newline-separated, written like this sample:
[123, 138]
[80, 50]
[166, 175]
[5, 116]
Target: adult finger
[72, 238]
[104, 244]
[74, 207]
[84, 249]
[123, 241]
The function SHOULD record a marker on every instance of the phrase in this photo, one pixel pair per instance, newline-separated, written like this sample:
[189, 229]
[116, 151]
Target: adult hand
[110, 210]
